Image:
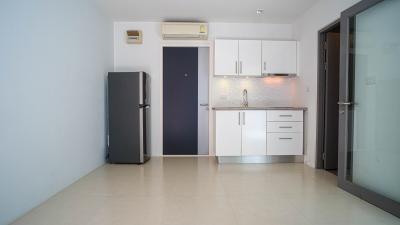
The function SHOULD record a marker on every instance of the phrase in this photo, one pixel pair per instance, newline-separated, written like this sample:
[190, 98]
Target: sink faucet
[245, 102]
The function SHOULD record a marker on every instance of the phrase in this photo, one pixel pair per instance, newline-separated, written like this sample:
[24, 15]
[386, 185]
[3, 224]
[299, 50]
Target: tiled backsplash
[275, 91]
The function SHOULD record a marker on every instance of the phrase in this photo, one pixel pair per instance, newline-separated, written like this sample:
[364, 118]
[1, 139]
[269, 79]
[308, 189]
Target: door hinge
[324, 156]
[325, 45]
[326, 66]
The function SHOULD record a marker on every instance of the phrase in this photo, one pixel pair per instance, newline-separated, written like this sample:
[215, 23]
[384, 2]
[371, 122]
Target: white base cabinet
[254, 130]
[285, 132]
[259, 132]
[240, 133]
[285, 143]
[228, 133]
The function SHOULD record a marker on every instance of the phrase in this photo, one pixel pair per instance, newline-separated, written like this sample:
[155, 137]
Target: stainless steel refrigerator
[128, 117]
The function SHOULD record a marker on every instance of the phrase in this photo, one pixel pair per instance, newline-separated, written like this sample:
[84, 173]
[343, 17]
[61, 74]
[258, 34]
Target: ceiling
[275, 11]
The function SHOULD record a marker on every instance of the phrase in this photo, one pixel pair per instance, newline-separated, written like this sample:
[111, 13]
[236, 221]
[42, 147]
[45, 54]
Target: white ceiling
[275, 11]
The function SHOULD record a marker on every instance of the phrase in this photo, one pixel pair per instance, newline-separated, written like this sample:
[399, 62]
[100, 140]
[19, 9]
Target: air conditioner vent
[184, 31]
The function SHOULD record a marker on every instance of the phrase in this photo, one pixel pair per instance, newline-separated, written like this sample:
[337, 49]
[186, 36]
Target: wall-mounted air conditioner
[184, 31]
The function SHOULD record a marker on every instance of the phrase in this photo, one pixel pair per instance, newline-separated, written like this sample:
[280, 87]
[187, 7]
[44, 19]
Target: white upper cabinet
[249, 57]
[226, 55]
[254, 132]
[279, 57]
[228, 133]
[254, 57]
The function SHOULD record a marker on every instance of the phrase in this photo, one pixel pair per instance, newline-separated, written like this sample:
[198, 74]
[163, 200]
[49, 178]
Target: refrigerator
[128, 117]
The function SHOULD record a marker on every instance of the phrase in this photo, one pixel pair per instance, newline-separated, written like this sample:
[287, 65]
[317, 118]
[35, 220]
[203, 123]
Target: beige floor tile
[202, 211]
[63, 209]
[198, 191]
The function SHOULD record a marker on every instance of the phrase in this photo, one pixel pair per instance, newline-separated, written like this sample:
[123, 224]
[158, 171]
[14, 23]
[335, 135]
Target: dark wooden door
[180, 100]
[331, 100]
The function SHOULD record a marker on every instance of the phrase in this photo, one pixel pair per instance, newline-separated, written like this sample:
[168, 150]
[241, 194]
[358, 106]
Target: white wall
[306, 31]
[147, 57]
[203, 98]
[53, 60]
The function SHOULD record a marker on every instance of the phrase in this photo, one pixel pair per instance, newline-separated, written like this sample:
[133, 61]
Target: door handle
[205, 104]
[239, 118]
[265, 66]
[345, 103]
[244, 118]
[241, 67]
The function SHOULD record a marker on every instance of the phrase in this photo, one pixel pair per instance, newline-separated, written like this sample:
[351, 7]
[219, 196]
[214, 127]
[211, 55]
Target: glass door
[369, 114]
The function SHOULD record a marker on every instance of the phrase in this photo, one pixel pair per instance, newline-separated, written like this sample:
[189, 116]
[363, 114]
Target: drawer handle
[286, 127]
[285, 138]
[285, 115]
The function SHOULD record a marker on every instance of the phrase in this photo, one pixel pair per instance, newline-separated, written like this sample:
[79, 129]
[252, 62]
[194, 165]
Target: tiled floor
[198, 191]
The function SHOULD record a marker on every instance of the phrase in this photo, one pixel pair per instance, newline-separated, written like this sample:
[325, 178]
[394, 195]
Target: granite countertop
[259, 108]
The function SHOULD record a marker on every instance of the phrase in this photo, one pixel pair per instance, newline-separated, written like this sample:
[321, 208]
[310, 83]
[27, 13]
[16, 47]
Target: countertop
[259, 108]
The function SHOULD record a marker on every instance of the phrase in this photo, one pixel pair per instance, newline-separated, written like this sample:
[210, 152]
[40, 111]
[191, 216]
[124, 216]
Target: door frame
[321, 92]
[196, 44]
[345, 128]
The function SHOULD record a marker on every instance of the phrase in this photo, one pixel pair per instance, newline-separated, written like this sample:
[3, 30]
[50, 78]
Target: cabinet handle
[236, 67]
[265, 66]
[239, 118]
[285, 115]
[285, 138]
[244, 118]
[241, 67]
[286, 127]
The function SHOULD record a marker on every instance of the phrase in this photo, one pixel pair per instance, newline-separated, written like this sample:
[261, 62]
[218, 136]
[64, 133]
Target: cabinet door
[228, 133]
[249, 58]
[279, 57]
[285, 115]
[226, 54]
[285, 127]
[254, 133]
[285, 144]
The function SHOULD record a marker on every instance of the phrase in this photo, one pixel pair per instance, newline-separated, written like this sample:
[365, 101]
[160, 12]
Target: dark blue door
[180, 101]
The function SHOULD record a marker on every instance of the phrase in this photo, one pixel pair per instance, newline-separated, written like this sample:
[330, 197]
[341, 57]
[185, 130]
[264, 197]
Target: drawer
[285, 115]
[285, 127]
[284, 143]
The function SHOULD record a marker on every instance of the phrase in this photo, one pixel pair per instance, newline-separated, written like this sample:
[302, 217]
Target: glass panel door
[370, 103]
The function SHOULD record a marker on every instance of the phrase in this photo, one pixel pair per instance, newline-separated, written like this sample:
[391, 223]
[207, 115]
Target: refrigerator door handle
[141, 88]
[141, 134]
[144, 106]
